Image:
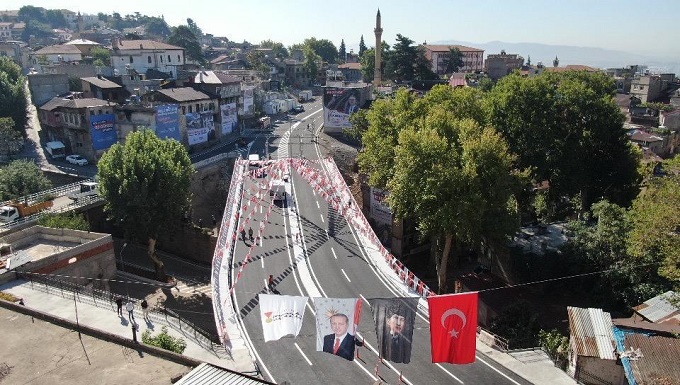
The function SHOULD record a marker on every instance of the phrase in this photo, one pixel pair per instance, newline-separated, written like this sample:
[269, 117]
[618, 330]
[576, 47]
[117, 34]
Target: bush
[65, 221]
[164, 341]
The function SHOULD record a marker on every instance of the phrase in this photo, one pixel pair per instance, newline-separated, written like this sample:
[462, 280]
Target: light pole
[122, 266]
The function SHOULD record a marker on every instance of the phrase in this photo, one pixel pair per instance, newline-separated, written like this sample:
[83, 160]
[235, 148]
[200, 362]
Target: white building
[55, 54]
[142, 55]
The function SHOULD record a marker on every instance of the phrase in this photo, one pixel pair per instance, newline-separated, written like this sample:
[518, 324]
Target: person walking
[250, 234]
[270, 283]
[130, 307]
[145, 310]
[119, 303]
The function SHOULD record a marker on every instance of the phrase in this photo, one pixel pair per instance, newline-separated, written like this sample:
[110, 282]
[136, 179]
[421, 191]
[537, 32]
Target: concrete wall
[605, 369]
[47, 86]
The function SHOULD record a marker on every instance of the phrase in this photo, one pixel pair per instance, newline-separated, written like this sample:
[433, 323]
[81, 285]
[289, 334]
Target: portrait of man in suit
[340, 342]
[396, 344]
[352, 105]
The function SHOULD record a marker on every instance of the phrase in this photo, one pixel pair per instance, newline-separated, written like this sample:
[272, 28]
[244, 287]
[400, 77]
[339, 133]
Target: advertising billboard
[248, 103]
[200, 127]
[167, 121]
[380, 212]
[339, 104]
[229, 117]
[103, 131]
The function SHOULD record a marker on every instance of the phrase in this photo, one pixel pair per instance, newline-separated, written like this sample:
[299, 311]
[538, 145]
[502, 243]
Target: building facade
[499, 65]
[144, 55]
[473, 58]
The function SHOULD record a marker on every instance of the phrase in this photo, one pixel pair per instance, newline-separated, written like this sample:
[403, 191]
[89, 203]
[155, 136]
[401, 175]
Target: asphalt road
[326, 262]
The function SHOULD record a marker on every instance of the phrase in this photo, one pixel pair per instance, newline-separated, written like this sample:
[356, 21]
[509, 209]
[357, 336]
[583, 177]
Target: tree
[407, 62]
[35, 28]
[101, 56]
[654, 237]
[13, 102]
[367, 60]
[342, 53]
[322, 47]
[65, 221]
[362, 46]
[442, 168]
[29, 13]
[183, 37]
[11, 140]
[164, 340]
[567, 128]
[193, 27]
[277, 48]
[257, 61]
[20, 178]
[310, 65]
[157, 26]
[146, 187]
[454, 60]
[55, 18]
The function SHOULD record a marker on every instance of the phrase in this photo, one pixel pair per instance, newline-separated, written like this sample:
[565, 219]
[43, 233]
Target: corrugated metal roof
[658, 308]
[592, 332]
[659, 362]
[102, 82]
[213, 375]
[183, 94]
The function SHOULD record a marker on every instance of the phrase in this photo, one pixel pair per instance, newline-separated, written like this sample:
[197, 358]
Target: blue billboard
[167, 121]
[103, 131]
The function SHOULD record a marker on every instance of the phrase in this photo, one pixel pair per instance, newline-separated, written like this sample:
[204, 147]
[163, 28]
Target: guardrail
[56, 191]
[54, 210]
[106, 299]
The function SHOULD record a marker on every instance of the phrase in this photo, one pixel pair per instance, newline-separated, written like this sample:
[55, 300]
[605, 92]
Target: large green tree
[20, 178]
[157, 27]
[454, 60]
[311, 66]
[146, 185]
[13, 102]
[443, 168]
[367, 60]
[195, 29]
[11, 140]
[362, 46]
[278, 48]
[101, 56]
[322, 47]
[183, 37]
[567, 128]
[406, 62]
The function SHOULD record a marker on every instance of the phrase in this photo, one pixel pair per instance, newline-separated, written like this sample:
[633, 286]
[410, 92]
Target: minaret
[378, 50]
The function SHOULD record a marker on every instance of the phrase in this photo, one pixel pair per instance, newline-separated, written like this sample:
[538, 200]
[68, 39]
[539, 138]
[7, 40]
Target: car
[298, 109]
[76, 159]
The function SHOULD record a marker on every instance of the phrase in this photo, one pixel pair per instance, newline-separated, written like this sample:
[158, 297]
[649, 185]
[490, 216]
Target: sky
[642, 27]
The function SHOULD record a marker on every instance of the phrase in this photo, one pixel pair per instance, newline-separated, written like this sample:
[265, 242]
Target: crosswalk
[193, 288]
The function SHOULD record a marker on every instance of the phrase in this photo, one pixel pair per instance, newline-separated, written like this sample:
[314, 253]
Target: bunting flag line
[281, 315]
[453, 327]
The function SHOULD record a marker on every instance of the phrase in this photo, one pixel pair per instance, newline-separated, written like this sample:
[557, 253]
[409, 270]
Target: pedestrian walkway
[104, 317]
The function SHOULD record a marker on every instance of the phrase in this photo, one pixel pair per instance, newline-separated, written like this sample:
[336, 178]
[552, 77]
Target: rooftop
[447, 48]
[81, 42]
[212, 77]
[183, 94]
[144, 45]
[591, 329]
[660, 309]
[101, 82]
[657, 362]
[58, 49]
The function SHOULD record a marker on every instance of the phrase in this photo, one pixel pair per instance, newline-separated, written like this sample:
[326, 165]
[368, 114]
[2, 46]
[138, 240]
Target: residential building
[55, 54]
[592, 347]
[62, 35]
[648, 88]
[17, 51]
[295, 73]
[648, 141]
[10, 15]
[145, 55]
[197, 112]
[85, 46]
[102, 88]
[228, 91]
[85, 126]
[104, 36]
[135, 83]
[351, 72]
[18, 30]
[44, 87]
[473, 58]
[5, 31]
[133, 117]
[499, 65]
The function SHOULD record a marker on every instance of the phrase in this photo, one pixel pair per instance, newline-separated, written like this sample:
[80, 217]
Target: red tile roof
[447, 48]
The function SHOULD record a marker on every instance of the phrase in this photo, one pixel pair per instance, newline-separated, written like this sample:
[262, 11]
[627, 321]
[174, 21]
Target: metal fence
[106, 299]
[56, 191]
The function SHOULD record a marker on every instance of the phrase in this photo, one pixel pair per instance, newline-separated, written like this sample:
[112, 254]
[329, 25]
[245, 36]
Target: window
[178, 58]
[169, 61]
[198, 107]
[184, 110]
[99, 112]
[148, 59]
[131, 59]
[190, 111]
[161, 58]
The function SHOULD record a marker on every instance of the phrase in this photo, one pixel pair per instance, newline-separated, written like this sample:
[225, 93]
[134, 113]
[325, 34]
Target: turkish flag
[453, 327]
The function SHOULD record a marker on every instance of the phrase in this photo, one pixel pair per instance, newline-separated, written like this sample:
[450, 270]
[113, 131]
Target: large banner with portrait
[103, 131]
[394, 318]
[229, 117]
[248, 101]
[339, 104]
[337, 320]
[200, 127]
[167, 122]
[380, 211]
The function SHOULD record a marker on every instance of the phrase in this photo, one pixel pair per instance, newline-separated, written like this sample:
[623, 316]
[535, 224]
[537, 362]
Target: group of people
[130, 308]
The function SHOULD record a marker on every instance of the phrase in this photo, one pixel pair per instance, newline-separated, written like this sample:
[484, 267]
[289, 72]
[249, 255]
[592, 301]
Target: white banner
[248, 101]
[229, 117]
[281, 315]
[197, 136]
[380, 211]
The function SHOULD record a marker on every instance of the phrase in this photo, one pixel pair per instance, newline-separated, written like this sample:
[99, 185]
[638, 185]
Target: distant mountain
[594, 57]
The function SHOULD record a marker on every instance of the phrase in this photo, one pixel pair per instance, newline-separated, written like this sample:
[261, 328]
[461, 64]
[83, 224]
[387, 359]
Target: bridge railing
[56, 191]
[84, 201]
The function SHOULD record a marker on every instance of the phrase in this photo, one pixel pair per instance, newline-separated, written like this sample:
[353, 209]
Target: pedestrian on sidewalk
[119, 303]
[130, 307]
[145, 310]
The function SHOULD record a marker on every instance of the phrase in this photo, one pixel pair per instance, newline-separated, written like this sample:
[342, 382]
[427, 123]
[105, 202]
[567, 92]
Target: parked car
[76, 159]
[299, 108]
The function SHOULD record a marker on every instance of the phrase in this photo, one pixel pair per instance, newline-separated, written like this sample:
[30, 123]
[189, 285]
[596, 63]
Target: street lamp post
[122, 266]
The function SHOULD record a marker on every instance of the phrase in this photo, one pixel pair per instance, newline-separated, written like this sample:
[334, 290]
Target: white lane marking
[386, 363]
[317, 205]
[303, 354]
[498, 371]
[321, 215]
[345, 274]
[374, 378]
[262, 262]
[450, 374]
[333, 251]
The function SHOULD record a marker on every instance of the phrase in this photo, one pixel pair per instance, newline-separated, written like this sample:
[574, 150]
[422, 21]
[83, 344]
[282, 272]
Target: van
[56, 149]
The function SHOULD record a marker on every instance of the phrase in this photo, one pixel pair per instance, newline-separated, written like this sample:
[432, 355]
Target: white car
[76, 159]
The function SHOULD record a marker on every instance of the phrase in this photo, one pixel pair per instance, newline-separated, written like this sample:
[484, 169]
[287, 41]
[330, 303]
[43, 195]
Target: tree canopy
[454, 60]
[362, 46]
[407, 62]
[342, 52]
[13, 102]
[182, 36]
[443, 167]
[11, 140]
[322, 47]
[146, 187]
[567, 128]
[20, 178]
[278, 48]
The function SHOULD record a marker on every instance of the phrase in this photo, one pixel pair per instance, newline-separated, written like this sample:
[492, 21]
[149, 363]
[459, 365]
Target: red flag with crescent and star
[453, 327]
